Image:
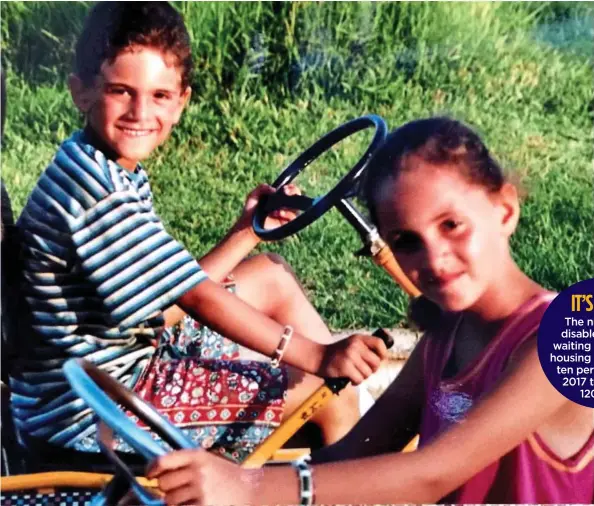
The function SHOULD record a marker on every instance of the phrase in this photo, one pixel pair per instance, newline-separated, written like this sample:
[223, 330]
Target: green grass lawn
[272, 78]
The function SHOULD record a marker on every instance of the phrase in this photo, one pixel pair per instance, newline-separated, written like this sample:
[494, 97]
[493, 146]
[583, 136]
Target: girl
[492, 428]
[103, 278]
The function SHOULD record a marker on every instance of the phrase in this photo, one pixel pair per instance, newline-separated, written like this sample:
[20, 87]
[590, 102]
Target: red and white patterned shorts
[228, 406]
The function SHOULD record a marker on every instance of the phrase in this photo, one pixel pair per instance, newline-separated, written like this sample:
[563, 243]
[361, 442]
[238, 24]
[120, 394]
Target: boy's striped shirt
[99, 268]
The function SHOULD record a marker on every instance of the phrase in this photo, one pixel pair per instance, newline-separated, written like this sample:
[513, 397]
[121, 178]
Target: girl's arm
[392, 421]
[522, 402]
[210, 303]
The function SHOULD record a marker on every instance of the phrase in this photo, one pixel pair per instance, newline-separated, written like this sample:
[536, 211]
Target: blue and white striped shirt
[99, 268]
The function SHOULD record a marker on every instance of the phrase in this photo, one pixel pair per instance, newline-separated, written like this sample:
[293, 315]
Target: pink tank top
[531, 472]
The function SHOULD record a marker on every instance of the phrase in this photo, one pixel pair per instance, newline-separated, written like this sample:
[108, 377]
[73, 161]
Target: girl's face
[134, 103]
[449, 236]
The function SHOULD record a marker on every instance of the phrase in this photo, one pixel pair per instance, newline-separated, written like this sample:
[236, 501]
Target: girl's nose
[436, 255]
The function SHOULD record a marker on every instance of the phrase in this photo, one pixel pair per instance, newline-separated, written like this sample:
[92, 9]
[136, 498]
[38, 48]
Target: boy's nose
[140, 108]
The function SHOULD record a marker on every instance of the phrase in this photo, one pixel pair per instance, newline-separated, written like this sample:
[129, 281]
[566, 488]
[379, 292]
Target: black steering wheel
[313, 208]
[101, 392]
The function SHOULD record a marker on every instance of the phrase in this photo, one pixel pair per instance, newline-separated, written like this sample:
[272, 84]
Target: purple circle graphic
[565, 341]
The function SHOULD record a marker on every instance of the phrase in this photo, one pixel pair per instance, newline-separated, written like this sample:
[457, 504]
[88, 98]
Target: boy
[103, 278]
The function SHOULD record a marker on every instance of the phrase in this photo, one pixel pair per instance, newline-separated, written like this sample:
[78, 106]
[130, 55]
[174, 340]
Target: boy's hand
[276, 218]
[356, 358]
[198, 477]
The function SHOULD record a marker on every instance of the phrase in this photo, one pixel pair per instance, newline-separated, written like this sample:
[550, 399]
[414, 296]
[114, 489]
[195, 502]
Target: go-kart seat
[43, 457]
[12, 456]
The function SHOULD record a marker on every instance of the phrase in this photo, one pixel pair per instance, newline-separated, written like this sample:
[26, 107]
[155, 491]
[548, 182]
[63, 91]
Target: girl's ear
[81, 94]
[184, 98]
[509, 204]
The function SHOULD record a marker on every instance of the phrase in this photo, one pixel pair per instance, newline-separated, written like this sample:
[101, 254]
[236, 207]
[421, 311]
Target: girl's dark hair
[440, 141]
[112, 27]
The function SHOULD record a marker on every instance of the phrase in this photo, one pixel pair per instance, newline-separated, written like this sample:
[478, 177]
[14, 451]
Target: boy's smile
[134, 103]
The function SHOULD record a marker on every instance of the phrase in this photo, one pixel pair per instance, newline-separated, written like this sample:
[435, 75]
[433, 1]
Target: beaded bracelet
[306, 492]
[282, 346]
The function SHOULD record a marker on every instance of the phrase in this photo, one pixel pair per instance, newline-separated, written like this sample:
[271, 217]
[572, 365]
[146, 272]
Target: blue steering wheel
[101, 392]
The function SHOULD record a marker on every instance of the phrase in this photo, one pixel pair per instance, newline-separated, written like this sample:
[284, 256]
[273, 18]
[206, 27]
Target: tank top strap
[525, 323]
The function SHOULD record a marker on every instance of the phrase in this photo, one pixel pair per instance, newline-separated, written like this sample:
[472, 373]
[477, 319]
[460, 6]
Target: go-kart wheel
[313, 208]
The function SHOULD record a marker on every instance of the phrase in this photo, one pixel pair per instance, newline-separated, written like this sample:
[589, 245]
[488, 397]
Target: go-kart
[113, 478]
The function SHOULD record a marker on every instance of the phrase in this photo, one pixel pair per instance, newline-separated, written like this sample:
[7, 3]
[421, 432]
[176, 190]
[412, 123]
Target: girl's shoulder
[527, 317]
[436, 342]
[523, 328]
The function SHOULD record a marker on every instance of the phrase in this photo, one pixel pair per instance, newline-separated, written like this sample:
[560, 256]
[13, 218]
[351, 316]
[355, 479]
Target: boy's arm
[227, 314]
[230, 316]
[220, 261]
[228, 253]
[241, 238]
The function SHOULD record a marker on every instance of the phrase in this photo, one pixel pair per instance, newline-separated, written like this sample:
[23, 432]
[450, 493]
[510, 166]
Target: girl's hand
[274, 219]
[356, 358]
[198, 477]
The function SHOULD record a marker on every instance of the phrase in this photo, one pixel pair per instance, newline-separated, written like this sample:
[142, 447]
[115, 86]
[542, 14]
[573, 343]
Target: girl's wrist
[277, 484]
[305, 476]
[253, 480]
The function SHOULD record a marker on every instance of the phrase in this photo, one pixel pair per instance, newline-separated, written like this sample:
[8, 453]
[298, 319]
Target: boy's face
[134, 103]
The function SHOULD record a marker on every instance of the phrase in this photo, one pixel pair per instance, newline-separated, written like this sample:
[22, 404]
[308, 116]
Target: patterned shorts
[197, 381]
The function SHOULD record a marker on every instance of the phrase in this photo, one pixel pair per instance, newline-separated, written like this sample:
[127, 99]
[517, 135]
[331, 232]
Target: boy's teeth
[135, 133]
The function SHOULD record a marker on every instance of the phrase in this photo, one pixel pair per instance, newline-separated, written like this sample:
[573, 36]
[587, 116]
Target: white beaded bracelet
[282, 346]
[306, 492]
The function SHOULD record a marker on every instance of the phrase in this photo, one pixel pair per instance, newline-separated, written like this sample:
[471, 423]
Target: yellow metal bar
[289, 454]
[412, 445]
[61, 479]
[283, 433]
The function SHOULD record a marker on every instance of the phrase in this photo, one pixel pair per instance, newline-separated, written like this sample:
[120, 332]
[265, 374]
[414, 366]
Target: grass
[274, 77]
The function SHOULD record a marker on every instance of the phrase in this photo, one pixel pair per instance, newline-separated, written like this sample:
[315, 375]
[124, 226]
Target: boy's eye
[162, 95]
[117, 90]
[452, 225]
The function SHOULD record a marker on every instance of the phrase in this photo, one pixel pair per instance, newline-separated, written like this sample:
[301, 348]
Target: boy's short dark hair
[112, 27]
